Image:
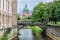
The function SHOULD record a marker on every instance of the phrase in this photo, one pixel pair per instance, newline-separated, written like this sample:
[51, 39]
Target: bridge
[27, 23]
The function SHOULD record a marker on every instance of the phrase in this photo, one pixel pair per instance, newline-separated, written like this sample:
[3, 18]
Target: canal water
[26, 34]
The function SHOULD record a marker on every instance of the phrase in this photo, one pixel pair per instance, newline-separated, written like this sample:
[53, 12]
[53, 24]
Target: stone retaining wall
[53, 31]
[12, 34]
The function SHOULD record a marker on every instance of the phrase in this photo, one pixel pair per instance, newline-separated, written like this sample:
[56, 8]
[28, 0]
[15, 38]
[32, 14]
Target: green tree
[54, 11]
[47, 12]
[40, 12]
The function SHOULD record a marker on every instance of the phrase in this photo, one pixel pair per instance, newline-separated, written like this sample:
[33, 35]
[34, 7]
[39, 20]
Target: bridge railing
[28, 22]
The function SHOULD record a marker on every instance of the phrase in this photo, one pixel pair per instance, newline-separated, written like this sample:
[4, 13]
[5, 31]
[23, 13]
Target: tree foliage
[48, 11]
[39, 12]
[54, 11]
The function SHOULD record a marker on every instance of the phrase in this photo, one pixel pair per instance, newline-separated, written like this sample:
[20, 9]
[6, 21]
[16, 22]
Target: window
[0, 3]
[3, 4]
[8, 6]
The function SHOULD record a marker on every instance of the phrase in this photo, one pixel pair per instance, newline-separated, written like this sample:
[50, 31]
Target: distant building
[26, 12]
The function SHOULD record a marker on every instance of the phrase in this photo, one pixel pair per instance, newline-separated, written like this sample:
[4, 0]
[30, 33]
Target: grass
[52, 23]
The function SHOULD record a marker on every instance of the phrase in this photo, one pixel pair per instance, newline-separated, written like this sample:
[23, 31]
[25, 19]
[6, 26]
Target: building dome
[25, 11]
[25, 8]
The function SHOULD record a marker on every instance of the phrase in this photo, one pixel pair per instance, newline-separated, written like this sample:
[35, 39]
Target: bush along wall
[5, 34]
[36, 31]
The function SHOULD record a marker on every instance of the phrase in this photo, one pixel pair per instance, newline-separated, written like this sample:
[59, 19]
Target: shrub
[35, 29]
[5, 34]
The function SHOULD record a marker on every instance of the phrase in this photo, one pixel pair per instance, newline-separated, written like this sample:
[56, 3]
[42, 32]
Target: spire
[25, 5]
[25, 8]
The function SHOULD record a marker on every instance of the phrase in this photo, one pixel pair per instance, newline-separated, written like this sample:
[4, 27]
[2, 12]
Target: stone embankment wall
[13, 33]
[53, 32]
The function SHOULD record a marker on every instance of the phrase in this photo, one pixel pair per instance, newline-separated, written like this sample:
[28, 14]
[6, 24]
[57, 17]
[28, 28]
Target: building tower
[26, 11]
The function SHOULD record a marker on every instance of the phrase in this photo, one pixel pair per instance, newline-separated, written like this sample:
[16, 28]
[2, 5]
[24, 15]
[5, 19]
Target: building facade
[8, 13]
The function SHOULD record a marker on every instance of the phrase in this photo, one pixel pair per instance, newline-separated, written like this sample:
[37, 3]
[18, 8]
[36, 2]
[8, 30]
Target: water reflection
[25, 34]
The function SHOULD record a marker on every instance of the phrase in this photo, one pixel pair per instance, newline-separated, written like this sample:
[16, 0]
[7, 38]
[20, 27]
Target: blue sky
[30, 3]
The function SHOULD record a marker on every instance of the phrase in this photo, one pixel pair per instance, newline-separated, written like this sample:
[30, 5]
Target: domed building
[25, 11]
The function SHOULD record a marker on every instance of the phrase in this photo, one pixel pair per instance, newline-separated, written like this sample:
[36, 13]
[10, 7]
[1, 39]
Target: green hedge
[5, 34]
[35, 29]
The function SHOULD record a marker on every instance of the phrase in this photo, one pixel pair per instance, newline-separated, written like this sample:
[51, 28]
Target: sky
[31, 4]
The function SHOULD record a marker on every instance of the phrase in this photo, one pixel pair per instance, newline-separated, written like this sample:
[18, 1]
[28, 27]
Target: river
[26, 34]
